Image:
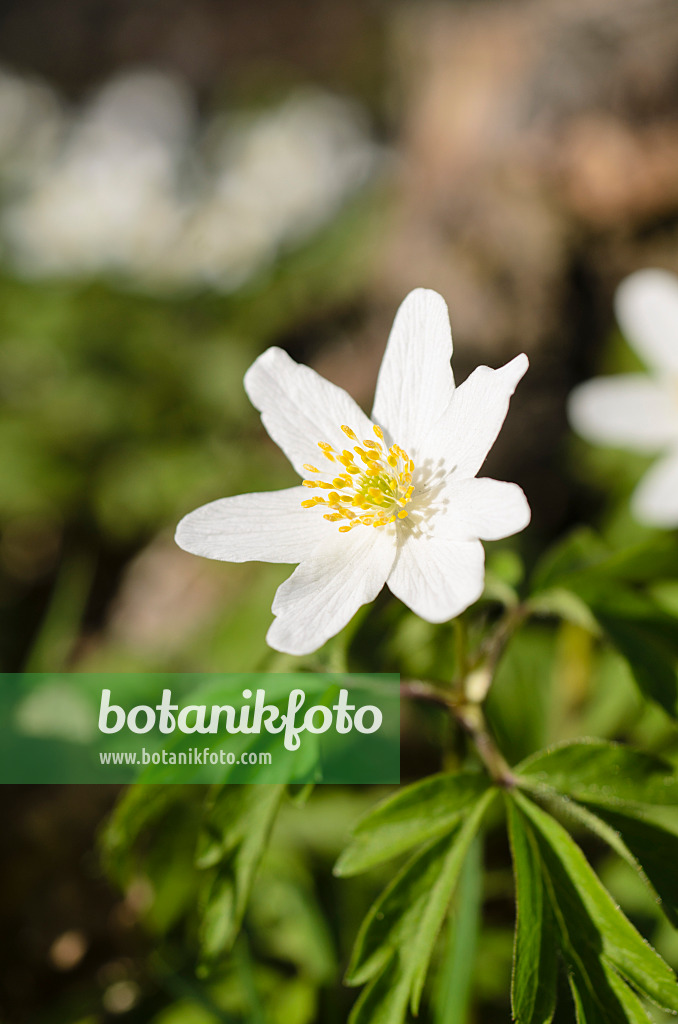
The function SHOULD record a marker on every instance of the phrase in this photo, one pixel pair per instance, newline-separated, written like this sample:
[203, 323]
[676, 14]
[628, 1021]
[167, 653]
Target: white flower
[392, 499]
[636, 411]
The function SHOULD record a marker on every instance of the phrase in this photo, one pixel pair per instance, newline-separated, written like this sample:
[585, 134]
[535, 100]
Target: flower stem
[465, 699]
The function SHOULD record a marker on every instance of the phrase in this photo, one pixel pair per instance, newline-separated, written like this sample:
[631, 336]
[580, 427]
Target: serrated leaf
[533, 985]
[655, 849]
[401, 928]
[411, 816]
[231, 846]
[592, 926]
[384, 1000]
[393, 920]
[600, 772]
[602, 997]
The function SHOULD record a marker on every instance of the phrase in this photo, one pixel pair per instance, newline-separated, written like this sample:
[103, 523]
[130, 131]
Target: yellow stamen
[374, 492]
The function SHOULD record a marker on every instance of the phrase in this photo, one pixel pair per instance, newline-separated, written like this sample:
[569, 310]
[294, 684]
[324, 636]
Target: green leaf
[384, 1000]
[231, 845]
[519, 704]
[533, 986]
[592, 927]
[411, 816]
[456, 972]
[400, 930]
[600, 772]
[644, 632]
[655, 849]
[568, 560]
[602, 997]
[614, 786]
[583, 561]
[648, 638]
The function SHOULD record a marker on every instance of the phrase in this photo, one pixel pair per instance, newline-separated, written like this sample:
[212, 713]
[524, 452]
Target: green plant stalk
[464, 698]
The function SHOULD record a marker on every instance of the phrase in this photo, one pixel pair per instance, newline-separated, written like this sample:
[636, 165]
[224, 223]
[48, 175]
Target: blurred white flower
[636, 411]
[396, 500]
[275, 179]
[31, 123]
[128, 191]
[108, 200]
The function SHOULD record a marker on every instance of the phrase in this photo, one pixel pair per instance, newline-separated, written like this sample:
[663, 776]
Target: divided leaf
[593, 929]
[232, 844]
[411, 816]
[655, 849]
[615, 787]
[533, 985]
[605, 773]
[397, 938]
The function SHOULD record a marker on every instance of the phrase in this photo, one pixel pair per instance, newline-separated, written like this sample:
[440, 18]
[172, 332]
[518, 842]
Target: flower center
[373, 485]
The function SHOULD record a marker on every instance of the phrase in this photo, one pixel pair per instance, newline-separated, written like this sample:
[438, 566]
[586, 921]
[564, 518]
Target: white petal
[437, 577]
[646, 304]
[468, 428]
[299, 408]
[655, 500]
[325, 591]
[415, 380]
[629, 410]
[262, 527]
[485, 508]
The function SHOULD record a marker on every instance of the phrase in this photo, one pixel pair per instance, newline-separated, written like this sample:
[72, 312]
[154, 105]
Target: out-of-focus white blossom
[640, 411]
[109, 199]
[31, 122]
[277, 178]
[129, 190]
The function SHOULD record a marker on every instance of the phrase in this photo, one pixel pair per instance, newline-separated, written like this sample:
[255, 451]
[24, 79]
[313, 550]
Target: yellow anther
[373, 492]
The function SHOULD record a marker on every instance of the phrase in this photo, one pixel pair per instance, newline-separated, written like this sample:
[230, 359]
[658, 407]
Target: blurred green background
[182, 185]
